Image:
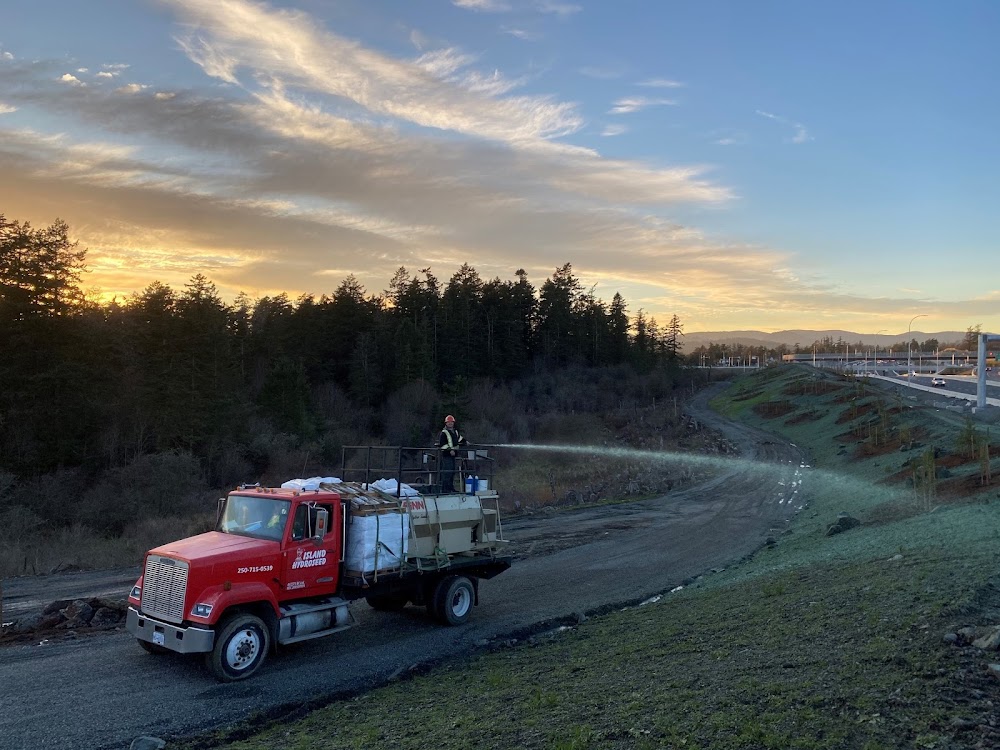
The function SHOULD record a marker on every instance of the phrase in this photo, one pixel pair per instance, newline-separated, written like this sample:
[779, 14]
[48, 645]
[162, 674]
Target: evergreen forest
[112, 412]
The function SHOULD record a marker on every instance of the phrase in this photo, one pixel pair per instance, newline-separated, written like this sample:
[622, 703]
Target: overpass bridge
[886, 363]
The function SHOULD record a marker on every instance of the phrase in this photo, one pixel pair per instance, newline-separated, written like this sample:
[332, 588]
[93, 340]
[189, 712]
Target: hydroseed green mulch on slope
[830, 656]
[819, 642]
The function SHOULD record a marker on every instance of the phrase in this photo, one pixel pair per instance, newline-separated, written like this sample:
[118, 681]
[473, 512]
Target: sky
[762, 165]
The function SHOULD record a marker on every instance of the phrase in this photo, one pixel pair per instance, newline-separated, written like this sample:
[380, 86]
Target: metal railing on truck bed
[419, 468]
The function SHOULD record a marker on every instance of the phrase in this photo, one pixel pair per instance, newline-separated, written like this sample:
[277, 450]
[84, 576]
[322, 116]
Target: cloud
[6, 56]
[661, 83]
[286, 49]
[112, 70]
[483, 6]
[419, 40]
[376, 199]
[801, 134]
[631, 104]
[444, 63]
[365, 189]
[322, 154]
[6, 109]
[553, 7]
[523, 34]
[558, 8]
[71, 79]
[728, 137]
[131, 88]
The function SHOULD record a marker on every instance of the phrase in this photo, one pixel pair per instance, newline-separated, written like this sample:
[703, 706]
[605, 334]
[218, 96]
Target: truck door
[310, 569]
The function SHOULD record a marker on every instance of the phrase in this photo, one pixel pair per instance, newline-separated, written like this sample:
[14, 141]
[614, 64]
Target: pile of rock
[71, 615]
[984, 637]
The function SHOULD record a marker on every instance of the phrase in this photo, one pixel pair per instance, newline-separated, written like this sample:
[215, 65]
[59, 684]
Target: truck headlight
[201, 610]
[136, 593]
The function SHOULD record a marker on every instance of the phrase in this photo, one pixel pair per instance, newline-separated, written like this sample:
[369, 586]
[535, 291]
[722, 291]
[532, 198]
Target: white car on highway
[940, 382]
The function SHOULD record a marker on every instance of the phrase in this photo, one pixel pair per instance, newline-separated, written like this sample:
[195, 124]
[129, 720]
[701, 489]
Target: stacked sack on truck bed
[379, 531]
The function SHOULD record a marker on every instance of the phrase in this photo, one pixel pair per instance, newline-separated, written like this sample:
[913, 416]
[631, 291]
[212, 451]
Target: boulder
[41, 621]
[843, 523]
[967, 635]
[105, 617]
[79, 610]
[56, 606]
[990, 641]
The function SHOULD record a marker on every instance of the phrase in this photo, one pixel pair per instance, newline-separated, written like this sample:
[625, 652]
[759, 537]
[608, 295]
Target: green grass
[818, 642]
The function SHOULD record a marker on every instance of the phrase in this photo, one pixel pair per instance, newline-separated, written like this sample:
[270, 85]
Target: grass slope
[818, 642]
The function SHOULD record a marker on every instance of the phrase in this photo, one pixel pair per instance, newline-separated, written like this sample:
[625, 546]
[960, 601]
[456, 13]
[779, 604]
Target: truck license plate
[157, 638]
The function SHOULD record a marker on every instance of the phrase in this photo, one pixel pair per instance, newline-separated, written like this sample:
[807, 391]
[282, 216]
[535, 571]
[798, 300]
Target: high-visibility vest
[451, 444]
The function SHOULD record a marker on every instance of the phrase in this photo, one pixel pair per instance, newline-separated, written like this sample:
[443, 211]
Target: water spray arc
[788, 477]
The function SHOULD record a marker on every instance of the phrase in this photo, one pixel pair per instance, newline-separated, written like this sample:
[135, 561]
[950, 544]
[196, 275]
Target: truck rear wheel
[240, 648]
[453, 599]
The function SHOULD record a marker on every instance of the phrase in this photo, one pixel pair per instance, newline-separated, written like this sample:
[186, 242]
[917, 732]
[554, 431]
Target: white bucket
[482, 485]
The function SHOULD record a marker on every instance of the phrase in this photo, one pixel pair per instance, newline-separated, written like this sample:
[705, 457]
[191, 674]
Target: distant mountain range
[805, 338]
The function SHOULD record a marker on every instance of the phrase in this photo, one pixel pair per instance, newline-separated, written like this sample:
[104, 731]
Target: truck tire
[152, 648]
[387, 602]
[453, 599]
[240, 648]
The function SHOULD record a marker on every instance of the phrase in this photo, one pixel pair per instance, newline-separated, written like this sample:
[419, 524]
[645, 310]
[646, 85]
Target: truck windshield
[258, 517]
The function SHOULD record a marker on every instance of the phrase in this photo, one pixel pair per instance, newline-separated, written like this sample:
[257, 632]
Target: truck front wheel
[453, 599]
[240, 648]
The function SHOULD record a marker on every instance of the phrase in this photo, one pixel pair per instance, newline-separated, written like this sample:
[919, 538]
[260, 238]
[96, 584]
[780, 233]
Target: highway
[957, 386]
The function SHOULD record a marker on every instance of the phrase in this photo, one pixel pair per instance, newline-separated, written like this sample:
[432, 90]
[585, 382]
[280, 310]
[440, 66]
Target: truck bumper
[182, 640]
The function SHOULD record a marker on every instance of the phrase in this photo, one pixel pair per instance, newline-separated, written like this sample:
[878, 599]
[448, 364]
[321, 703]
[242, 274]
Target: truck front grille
[163, 587]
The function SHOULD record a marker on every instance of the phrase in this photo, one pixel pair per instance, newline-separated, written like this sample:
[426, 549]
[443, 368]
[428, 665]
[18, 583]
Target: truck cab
[269, 547]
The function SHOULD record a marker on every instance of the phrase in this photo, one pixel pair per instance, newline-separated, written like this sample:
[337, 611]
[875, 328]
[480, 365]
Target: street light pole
[909, 367]
[875, 357]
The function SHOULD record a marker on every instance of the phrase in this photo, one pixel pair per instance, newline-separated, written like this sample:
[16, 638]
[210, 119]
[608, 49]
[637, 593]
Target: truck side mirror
[218, 511]
[322, 524]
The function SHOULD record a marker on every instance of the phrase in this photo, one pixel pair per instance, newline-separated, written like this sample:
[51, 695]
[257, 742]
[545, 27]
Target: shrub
[157, 485]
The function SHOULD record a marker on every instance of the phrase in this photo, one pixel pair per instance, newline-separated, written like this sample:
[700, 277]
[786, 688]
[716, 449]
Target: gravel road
[102, 691]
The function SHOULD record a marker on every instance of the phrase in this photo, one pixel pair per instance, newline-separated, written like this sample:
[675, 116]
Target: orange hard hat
[449, 418]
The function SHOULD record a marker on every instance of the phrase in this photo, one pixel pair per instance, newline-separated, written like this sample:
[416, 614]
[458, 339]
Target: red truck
[282, 564]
